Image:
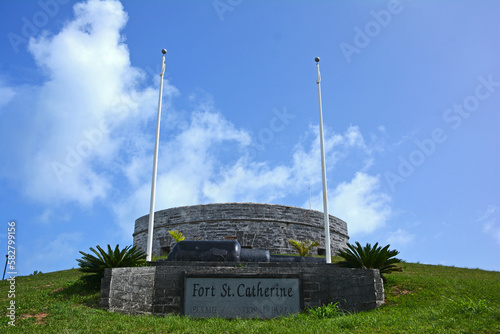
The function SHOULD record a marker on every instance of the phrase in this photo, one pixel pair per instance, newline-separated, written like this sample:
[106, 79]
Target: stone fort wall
[254, 225]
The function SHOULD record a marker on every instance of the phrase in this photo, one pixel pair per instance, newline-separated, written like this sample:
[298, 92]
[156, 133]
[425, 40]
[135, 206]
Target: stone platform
[159, 289]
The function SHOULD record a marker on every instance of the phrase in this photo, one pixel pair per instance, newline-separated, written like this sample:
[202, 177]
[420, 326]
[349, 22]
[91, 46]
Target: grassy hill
[421, 299]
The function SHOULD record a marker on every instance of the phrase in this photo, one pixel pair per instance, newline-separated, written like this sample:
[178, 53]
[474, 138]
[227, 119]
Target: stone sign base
[205, 289]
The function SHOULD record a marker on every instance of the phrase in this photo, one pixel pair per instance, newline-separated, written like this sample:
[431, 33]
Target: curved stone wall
[254, 225]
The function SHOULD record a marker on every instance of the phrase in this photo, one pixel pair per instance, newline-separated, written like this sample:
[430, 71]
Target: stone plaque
[241, 296]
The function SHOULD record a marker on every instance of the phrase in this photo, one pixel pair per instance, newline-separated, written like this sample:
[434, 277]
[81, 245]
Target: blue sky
[411, 99]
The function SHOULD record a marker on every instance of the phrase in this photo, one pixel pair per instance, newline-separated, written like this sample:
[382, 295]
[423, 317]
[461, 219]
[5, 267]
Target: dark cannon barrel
[206, 250]
[255, 255]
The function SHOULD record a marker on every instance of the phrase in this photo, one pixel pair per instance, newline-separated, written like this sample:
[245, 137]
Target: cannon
[255, 255]
[204, 250]
[227, 251]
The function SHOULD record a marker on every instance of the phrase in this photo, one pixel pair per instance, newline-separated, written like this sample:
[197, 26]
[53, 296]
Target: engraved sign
[243, 297]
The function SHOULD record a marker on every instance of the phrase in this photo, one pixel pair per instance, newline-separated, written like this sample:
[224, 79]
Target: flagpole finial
[316, 59]
[164, 51]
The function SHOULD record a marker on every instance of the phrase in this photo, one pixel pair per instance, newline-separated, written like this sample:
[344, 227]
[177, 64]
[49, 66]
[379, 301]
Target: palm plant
[370, 257]
[127, 257]
[303, 247]
[177, 236]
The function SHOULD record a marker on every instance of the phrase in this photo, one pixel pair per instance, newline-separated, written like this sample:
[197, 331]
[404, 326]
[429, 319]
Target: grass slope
[421, 299]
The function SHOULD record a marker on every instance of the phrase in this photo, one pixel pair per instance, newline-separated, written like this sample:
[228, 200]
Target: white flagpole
[155, 163]
[328, 251]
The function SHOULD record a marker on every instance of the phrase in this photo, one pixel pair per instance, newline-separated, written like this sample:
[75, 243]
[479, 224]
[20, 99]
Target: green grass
[421, 299]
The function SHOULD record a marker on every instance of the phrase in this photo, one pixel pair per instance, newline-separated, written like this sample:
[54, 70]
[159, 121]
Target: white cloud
[490, 210]
[89, 110]
[489, 222]
[400, 238]
[6, 94]
[187, 164]
[194, 168]
[360, 203]
[46, 216]
[249, 182]
[50, 214]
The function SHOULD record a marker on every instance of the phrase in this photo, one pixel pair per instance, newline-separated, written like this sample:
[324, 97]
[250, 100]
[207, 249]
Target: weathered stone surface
[158, 289]
[128, 290]
[254, 225]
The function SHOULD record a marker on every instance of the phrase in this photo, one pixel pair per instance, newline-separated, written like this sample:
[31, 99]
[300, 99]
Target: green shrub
[303, 247]
[370, 257]
[325, 311]
[95, 265]
[177, 236]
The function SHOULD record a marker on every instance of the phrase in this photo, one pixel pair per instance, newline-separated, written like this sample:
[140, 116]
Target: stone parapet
[254, 225]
